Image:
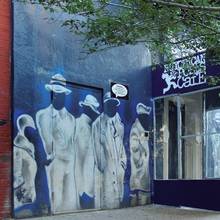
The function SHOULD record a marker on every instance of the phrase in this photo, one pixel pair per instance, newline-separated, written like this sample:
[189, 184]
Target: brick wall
[5, 108]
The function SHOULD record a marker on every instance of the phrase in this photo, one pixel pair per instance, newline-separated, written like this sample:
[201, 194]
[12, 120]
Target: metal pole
[154, 141]
[179, 135]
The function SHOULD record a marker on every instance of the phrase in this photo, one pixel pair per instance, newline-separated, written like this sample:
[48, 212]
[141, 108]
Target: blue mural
[85, 148]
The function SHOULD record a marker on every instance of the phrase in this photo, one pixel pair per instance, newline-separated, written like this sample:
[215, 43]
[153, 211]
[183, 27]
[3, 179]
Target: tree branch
[184, 6]
[119, 5]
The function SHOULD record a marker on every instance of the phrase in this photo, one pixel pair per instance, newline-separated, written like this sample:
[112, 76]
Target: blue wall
[189, 193]
[43, 48]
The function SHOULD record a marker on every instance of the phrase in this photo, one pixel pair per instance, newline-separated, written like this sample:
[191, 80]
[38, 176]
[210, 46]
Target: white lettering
[185, 73]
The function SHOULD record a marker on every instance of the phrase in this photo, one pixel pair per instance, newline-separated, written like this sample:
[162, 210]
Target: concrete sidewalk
[150, 212]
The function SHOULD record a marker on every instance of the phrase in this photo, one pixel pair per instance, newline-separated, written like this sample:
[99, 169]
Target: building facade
[102, 131]
[79, 141]
[186, 122]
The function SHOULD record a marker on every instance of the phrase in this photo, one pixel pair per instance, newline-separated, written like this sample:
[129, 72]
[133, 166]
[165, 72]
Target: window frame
[203, 135]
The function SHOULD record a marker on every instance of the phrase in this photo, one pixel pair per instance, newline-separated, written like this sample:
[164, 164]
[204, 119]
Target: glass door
[166, 149]
[179, 137]
[172, 140]
[192, 135]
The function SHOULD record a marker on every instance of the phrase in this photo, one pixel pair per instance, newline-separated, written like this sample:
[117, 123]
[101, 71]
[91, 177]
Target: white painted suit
[57, 130]
[85, 161]
[25, 169]
[108, 134]
[139, 157]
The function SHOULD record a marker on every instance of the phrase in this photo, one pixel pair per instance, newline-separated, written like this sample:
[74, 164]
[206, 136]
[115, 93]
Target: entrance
[187, 150]
[172, 141]
[73, 179]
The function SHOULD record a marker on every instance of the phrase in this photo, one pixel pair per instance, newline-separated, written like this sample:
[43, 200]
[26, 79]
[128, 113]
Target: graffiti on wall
[65, 161]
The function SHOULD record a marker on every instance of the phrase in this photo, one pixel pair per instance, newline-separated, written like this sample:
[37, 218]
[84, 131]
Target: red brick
[5, 96]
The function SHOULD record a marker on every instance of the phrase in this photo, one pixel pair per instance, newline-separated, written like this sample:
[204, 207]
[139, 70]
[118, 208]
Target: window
[188, 136]
[212, 138]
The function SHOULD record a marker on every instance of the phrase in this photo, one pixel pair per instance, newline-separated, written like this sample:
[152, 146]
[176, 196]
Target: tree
[186, 26]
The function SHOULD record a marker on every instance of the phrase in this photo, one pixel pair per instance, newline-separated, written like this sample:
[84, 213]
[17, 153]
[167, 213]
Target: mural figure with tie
[110, 152]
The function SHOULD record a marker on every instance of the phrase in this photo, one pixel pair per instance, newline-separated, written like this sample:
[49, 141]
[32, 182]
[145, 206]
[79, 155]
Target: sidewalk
[150, 212]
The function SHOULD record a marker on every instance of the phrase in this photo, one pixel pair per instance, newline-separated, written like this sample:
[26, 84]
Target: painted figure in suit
[57, 130]
[139, 157]
[108, 135]
[85, 158]
[25, 167]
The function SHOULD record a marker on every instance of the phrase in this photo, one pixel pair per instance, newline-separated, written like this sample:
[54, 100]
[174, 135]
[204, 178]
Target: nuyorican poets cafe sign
[181, 76]
[184, 73]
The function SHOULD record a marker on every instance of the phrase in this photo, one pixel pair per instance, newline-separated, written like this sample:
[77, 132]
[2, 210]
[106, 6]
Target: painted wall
[5, 108]
[74, 146]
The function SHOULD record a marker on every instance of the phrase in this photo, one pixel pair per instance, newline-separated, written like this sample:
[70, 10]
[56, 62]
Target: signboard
[181, 76]
[119, 91]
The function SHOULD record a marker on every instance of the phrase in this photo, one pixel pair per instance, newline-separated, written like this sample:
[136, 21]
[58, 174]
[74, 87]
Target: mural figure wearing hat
[139, 157]
[25, 167]
[85, 159]
[215, 140]
[108, 134]
[57, 130]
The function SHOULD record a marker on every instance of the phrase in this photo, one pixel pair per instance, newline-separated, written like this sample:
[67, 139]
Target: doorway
[194, 120]
[73, 179]
[173, 141]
